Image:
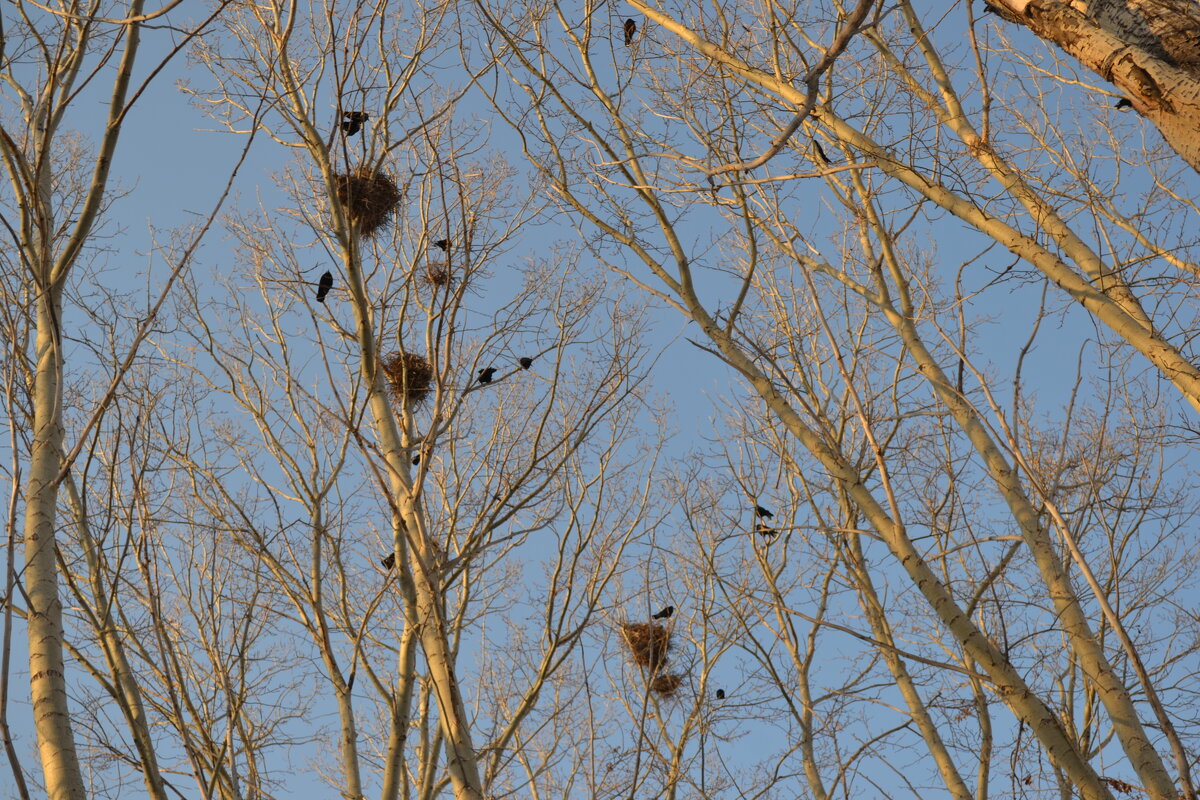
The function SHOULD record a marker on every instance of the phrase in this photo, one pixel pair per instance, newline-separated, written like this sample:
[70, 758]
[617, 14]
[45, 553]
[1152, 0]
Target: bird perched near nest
[525, 361]
[630, 30]
[324, 286]
[444, 244]
[352, 121]
[665, 613]
[485, 374]
[762, 512]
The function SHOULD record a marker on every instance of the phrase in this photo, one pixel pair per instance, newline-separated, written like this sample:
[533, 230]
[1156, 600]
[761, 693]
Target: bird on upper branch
[324, 286]
[352, 121]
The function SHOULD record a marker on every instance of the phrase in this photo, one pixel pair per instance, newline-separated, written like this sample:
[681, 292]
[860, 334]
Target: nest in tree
[648, 643]
[666, 685]
[370, 197]
[437, 273]
[410, 376]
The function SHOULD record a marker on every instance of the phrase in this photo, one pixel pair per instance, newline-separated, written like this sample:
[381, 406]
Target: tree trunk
[47, 672]
[1149, 48]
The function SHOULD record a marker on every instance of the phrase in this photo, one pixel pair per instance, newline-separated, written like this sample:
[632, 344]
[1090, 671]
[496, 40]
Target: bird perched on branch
[444, 244]
[1124, 103]
[630, 30]
[352, 121]
[720, 694]
[525, 361]
[665, 613]
[762, 512]
[820, 151]
[324, 286]
[485, 374]
[388, 561]
[762, 530]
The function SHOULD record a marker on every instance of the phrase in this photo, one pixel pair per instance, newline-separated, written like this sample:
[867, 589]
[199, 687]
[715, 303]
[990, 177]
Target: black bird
[352, 121]
[324, 286]
[525, 361]
[763, 530]
[630, 30]
[350, 681]
[820, 152]
[720, 694]
[416, 460]
[665, 613]
[444, 244]
[762, 512]
[1124, 102]
[988, 9]
[388, 561]
[485, 375]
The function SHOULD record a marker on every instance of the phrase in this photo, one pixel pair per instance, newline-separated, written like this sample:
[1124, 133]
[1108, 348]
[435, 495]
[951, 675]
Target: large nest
[437, 273]
[666, 685]
[410, 376]
[648, 644]
[370, 197]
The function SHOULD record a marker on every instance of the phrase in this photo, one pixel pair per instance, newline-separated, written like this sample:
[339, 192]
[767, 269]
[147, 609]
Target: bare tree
[53, 61]
[861, 345]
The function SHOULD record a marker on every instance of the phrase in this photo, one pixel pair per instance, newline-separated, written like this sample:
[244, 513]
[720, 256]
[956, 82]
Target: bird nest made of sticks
[647, 642]
[410, 376]
[666, 685]
[437, 273]
[370, 197]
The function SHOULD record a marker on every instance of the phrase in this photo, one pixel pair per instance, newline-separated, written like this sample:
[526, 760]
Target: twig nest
[410, 377]
[666, 685]
[437, 273]
[648, 643]
[370, 197]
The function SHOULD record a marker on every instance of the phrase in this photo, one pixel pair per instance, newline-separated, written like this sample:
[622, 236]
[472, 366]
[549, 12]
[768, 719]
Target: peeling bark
[1149, 49]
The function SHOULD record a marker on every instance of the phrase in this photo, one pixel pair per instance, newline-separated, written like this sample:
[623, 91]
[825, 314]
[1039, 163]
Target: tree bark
[1150, 49]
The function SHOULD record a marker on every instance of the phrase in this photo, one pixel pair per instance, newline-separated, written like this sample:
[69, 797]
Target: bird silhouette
[665, 613]
[764, 531]
[485, 375]
[820, 151]
[388, 561]
[352, 121]
[416, 460]
[525, 361]
[1124, 102]
[324, 286]
[762, 512]
[630, 30]
[720, 694]
[444, 244]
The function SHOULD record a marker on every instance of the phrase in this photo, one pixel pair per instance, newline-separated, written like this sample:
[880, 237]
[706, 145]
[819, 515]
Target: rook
[630, 30]
[324, 286]
[665, 613]
[485, 375]
[352, 121]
